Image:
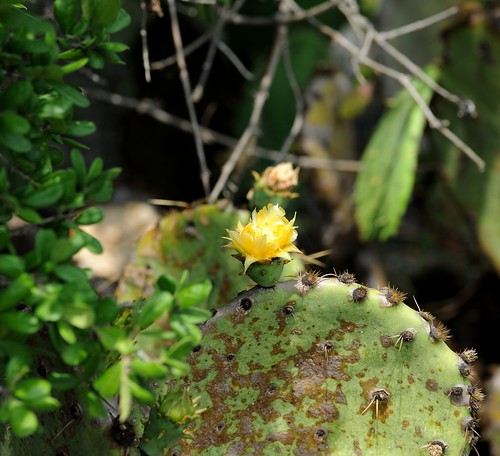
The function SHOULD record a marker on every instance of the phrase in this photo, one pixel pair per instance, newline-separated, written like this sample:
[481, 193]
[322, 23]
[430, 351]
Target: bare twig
[419, 25]
[144, 40]
[252, 128]
[190, 48]
[279, 18]
[147, 107]
[186, 86]
[237, 63]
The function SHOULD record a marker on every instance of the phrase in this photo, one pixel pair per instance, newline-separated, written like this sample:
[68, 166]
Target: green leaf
[148, 369]
[44, 196]
[21, 322]
[101, 188]
[32, 389]
[71, 54]
[50, 309]
[74, 66]
[66, 12]
[70, 273]
[75, 354]
[108, 383]
[167, 283]
[106, 310]
[141, 394]
[194, 293]
[115, 338]
[64, 249]
[90, 216]
[80, 128]
[122, 20]
[66, 332]
[114, 47]
[78, 164]
[79, 314]
[14, 123]
[384, 185]
[16, 142]
[89, 241]
[16, 291]
[11, 265]
[154, 307]
[95, 169]
[105, 12]
[17, 367]
[24, 422]
[72, 94]
[45, 404]
[194, 315]
[29, 215]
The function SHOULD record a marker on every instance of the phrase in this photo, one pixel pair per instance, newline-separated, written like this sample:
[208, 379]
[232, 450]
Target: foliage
[57, 335]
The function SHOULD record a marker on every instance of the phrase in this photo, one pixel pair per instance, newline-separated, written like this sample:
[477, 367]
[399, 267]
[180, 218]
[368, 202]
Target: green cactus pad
[192, 240]
[316, 366]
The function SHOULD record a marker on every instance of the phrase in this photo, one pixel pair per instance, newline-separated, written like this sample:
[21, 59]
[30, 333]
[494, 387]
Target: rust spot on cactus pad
[432, 385]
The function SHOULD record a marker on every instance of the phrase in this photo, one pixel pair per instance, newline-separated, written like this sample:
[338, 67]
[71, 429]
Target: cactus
[190, 239]
[321, 365]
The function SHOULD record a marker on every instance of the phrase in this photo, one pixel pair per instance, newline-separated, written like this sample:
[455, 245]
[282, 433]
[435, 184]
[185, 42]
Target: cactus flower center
[268, 234]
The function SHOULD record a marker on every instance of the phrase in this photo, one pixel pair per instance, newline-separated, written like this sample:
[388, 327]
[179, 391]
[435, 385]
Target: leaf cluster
[57, 335]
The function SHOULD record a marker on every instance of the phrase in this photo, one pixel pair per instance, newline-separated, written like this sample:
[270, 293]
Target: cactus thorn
[359, 294]
[393, 296]
[469, 355]
[436, 448]
[307, 280]
[439, 332]
[426, 316]
[377, 396]
[345, 277]
[406, 335]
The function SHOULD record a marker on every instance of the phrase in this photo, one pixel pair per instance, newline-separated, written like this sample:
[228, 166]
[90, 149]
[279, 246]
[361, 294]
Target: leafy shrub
[57, 335]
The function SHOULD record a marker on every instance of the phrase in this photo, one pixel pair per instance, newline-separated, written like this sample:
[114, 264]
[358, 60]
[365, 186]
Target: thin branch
[279, 18]
[189, 49]
[419, 25]
[23, 176]
[252, 128]
[209, 136]
[144, 41]
[237, 63]
[186, 86]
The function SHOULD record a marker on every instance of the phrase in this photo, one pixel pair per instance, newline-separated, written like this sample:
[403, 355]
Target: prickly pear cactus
[320, 366]
[192, 240]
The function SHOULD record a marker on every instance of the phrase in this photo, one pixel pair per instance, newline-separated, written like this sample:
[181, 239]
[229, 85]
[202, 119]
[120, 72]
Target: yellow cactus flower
[268, 234]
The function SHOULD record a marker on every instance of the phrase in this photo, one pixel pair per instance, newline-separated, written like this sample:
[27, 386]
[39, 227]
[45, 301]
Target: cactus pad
[326, 366]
